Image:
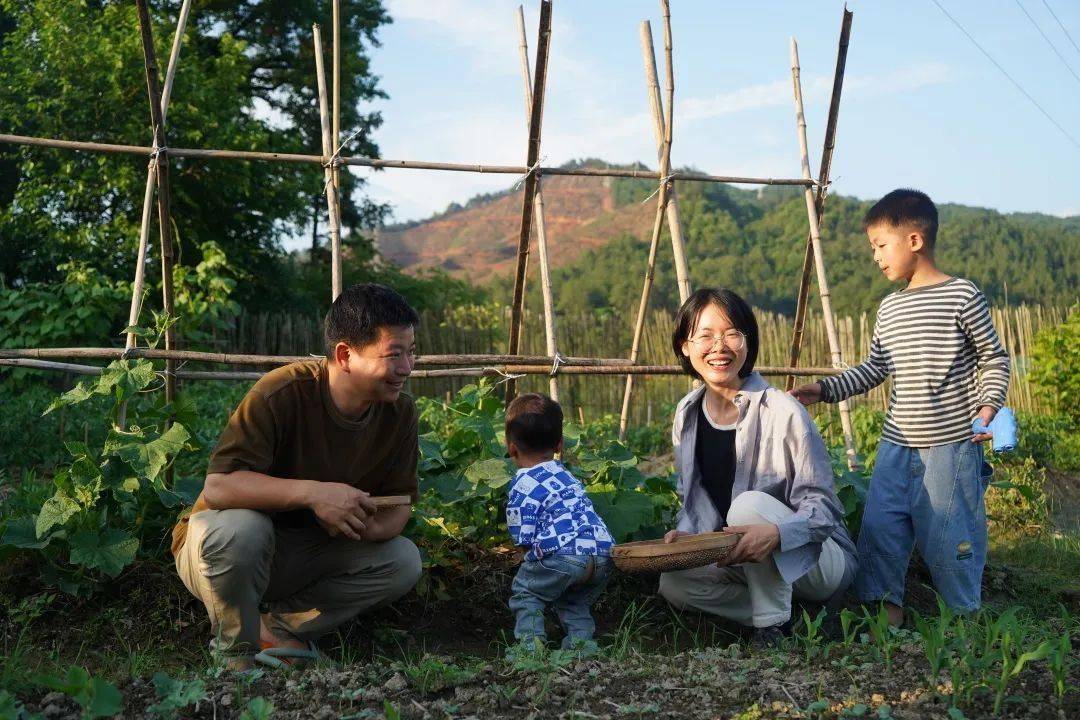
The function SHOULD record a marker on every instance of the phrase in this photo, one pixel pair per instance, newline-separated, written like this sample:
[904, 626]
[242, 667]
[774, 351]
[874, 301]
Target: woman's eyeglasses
[733, 340]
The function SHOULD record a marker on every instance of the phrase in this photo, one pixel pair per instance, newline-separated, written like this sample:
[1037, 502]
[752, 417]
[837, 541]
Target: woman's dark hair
[357, 314]
[737, 311]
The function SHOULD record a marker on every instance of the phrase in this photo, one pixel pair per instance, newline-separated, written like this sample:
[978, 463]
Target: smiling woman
[750, 460]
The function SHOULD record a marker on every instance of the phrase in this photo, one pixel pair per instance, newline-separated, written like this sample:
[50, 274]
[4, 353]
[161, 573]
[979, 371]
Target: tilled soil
[438, 654]
[717, 682]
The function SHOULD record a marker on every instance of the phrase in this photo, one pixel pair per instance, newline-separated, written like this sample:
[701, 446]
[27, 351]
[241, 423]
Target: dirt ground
[441, 655]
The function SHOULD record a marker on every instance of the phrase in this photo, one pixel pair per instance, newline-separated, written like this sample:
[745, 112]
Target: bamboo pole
[678, 246]
[382, 163]
[822, 188]
[336, 130]
[487, 371]
[536, 116]
[161, 160]
[658, 223]
[819, 254]
[244, 359]
[333, 210]
[151, 179]
[541, 226]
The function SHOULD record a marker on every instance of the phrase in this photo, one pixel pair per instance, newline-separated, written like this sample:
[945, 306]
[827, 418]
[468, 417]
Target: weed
[258, 708]
[175, 695]
[95, 696]
[431, 674]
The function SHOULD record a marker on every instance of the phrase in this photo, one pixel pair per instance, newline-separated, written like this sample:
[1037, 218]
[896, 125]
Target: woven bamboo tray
[687, 551]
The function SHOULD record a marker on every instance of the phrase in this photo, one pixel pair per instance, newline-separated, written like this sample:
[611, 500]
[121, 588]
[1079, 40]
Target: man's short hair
[738, 312]
[534, 423]
[360, 310]
[905, 208]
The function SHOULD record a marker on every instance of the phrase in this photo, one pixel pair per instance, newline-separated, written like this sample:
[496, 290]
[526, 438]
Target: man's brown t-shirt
[287, 426]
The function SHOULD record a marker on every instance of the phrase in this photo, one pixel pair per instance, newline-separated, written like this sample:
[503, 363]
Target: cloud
[779, 92]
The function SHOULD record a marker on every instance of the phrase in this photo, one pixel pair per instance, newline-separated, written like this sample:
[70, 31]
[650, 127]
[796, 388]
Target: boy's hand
[341, 509]
[670, 535]
[808, 394]
[756, 544]
[986, 416]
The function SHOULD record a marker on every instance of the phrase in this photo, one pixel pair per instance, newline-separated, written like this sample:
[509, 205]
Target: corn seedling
[934, 633]
[850, 623]
[1059, 664]
[882, 633]
[809, 637]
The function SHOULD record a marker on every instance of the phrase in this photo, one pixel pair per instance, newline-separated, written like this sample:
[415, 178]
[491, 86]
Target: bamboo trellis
[531, 173]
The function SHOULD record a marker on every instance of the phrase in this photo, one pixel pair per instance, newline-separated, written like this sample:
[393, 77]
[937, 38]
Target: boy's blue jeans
[930, 498]
[565, 582]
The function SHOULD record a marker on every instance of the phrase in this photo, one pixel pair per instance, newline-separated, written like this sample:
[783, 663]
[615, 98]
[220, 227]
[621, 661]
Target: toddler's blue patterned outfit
[568, 562]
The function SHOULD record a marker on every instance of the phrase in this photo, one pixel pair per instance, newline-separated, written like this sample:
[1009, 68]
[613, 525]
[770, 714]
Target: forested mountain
[749, 240]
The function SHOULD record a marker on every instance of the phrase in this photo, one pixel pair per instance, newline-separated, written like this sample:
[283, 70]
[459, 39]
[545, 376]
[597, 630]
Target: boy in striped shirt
[935, 337]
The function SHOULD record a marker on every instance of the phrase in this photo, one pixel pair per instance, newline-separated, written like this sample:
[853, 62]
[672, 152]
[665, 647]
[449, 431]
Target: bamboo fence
[466, 334]
[331, 160]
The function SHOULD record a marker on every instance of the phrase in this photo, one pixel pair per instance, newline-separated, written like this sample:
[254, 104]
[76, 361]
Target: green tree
[74, 70]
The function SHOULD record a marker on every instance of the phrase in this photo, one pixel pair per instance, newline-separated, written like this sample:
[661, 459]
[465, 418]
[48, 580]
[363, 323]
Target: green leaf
[258, 709]
[149, 459]
[21, 533]
[624, 511]
[184, 492]
[109, 552]
[492, 472]
[104, 700]
[1039, 653]
[10, 707]
[57, 510]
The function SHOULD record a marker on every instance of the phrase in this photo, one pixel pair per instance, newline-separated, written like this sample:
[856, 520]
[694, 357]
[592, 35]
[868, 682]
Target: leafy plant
[175, 695]
[258, 708]
[105, 499]
[97, 697]
[935, 637]
[882, 633]
[808, 633]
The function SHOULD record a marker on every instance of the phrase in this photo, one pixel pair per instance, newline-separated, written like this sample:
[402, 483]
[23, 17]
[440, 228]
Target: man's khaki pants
[307, 582]
[754, 593]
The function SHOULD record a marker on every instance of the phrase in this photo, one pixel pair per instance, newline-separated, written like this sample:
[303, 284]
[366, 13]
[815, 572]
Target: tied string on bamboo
[663, 181]
[335, 160]
[157, 152]
[534, 168]
[556, 362]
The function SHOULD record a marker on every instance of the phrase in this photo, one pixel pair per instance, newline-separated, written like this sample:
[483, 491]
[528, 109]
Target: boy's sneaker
[530, 648]
[581, 647]
[771, 637]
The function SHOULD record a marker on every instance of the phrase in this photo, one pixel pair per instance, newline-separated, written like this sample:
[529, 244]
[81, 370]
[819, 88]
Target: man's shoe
[771, 637]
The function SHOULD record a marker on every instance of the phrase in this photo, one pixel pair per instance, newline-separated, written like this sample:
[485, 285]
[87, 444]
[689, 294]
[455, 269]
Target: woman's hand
[670, 535]
[756, 544]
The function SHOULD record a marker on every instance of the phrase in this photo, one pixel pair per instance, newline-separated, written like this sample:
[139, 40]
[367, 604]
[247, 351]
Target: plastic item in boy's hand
[1002, 427]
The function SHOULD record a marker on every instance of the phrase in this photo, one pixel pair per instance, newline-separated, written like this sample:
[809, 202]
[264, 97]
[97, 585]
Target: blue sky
[922, 106]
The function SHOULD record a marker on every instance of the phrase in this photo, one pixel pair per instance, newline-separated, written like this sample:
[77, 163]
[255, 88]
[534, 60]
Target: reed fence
[590, 334]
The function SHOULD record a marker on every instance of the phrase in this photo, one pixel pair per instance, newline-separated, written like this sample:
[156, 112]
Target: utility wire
[1062, 26]
[1048, 42]
[1004, 72]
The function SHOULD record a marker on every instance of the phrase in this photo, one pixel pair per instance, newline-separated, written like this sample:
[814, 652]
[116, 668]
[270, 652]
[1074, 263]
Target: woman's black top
[715, 456]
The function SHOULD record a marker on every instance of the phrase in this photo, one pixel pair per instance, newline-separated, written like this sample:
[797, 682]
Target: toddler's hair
[534, 423]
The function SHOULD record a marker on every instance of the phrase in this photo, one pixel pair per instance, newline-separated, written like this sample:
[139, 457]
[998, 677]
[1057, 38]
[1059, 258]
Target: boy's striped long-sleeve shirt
[939, 344]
